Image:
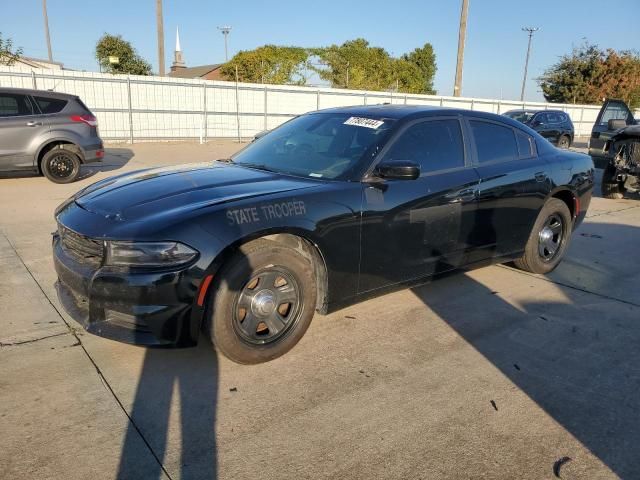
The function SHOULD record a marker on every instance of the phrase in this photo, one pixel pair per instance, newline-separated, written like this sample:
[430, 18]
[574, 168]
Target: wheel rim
[550, 237]
[61, 166]
[268, 306]
[564, 142]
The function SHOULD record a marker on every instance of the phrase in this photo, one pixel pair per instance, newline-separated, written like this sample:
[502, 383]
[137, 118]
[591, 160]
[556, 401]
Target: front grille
[83, 249]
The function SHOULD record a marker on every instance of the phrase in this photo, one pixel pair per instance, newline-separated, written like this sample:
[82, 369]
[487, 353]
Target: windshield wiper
[257, 166]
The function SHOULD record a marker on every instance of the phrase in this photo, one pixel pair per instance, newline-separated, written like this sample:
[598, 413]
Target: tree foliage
[268, 64]
[8, 55]
[356, 64]
[590, 74]
[128, 59]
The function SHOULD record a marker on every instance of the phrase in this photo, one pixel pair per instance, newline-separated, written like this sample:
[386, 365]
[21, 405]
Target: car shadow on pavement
[189, 376]
[576, 356]
[114, 159]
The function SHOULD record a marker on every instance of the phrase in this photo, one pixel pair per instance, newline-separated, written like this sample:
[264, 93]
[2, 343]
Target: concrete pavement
[490, 374]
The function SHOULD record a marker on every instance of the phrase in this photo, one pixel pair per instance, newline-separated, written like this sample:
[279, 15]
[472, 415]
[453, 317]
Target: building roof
[194, 72]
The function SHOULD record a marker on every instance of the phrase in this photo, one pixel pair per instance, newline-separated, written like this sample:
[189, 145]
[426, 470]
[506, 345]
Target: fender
[53, 136]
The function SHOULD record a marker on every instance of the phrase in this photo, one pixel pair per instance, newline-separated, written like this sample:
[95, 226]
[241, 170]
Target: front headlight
[148, 254]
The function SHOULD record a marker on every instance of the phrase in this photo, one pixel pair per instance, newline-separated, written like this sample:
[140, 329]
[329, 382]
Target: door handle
[34, 124]
[465, 195]
[540, 176]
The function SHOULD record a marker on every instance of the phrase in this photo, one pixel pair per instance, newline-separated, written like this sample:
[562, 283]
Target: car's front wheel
[262, 302]
[549, 238]
[611, 188]
[60, 165]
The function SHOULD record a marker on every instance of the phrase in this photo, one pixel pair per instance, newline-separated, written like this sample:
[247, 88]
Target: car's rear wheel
[262, 302]
[549, 238]
[60, 165]
[564, 142]
[611, 188]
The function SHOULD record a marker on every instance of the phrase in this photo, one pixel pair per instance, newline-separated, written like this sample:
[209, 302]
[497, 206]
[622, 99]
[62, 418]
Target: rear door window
[494, 143]
[554, 118]
[50, 105]
[433, 144]
[14, 105]
[525, 145]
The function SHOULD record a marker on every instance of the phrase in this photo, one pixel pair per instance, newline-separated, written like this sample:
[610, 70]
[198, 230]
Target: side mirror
[398, 170]
[616, 124]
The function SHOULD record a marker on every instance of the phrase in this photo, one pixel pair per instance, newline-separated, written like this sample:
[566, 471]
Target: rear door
[611, 110]
[542, 124]
[20, 123]
[415, 228]
[514, 183]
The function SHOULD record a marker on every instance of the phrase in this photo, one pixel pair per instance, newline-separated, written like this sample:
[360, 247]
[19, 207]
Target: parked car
[46, 132]
[615, 138]
[554, 125]
[328, 209]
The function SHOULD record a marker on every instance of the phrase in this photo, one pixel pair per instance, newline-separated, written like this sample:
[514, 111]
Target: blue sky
[494, 57]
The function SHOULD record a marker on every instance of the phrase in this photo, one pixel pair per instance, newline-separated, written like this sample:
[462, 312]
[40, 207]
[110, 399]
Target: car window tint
[494, 142]
[553, 118]
[525, 144]
[434, 145]
[614, 111]
[542, 118]
[12, 105]
[50, 105]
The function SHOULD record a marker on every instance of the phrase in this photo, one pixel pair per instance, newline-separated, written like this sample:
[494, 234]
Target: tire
[610, 187]
[552, 228]
[250, 288]
[564, 142]
[60, 165]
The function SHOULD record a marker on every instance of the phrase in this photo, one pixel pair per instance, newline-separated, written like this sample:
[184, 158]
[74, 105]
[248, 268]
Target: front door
[601, 132]
[415, 228]
[19, 125]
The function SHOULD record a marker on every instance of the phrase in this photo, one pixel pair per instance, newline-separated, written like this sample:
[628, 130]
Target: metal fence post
[581, 119]
[441, 101]
[238, 106]
[318, 100]
[365, 98]
[203, 128]
[33, 80]
[266, 111]
[472, 103]
[499, 105]
[405, 98]
[130, 109]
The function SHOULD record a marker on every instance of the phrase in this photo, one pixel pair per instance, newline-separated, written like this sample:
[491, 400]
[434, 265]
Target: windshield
[319, 145]
[520, 116]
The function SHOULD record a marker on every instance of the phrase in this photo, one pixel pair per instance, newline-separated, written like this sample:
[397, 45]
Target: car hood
[170, 190]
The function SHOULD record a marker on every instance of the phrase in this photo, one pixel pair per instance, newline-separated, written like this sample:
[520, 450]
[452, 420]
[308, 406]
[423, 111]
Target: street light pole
[225, 31]
[46, 28]
[462, 34]
[531, 31]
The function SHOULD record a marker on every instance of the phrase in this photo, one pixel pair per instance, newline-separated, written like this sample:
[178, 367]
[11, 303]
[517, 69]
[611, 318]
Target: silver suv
[47, 132]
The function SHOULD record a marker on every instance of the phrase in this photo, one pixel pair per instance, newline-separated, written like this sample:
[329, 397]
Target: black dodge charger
[328, 209]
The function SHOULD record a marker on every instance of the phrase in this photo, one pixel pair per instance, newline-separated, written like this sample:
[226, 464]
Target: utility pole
[531, 30]
[462, 34]
[160, 28]
[225, 31]
[46, 28]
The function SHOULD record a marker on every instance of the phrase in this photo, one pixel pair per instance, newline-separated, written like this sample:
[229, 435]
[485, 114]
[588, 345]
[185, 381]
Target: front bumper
[143, 308]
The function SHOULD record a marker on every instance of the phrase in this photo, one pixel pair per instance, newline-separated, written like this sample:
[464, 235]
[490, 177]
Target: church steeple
[178, 61]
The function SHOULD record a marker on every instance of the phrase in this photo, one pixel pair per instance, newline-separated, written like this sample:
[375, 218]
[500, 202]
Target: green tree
[357, 65]
[128, 59]
[590, 74]
[425, 59]
[8, 55]
[268, 64]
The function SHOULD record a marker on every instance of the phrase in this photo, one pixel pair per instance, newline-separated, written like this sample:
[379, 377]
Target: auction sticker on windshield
[364, 122]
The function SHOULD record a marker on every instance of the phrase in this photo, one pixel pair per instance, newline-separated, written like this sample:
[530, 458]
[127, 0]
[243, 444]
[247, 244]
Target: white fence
[162, 108]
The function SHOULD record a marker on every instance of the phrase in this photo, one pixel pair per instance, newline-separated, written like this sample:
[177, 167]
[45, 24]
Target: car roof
[31, 91]
[529, 110]
[411, 112]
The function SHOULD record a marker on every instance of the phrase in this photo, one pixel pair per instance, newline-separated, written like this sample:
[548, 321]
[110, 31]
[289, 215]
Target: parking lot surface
[493, 373]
